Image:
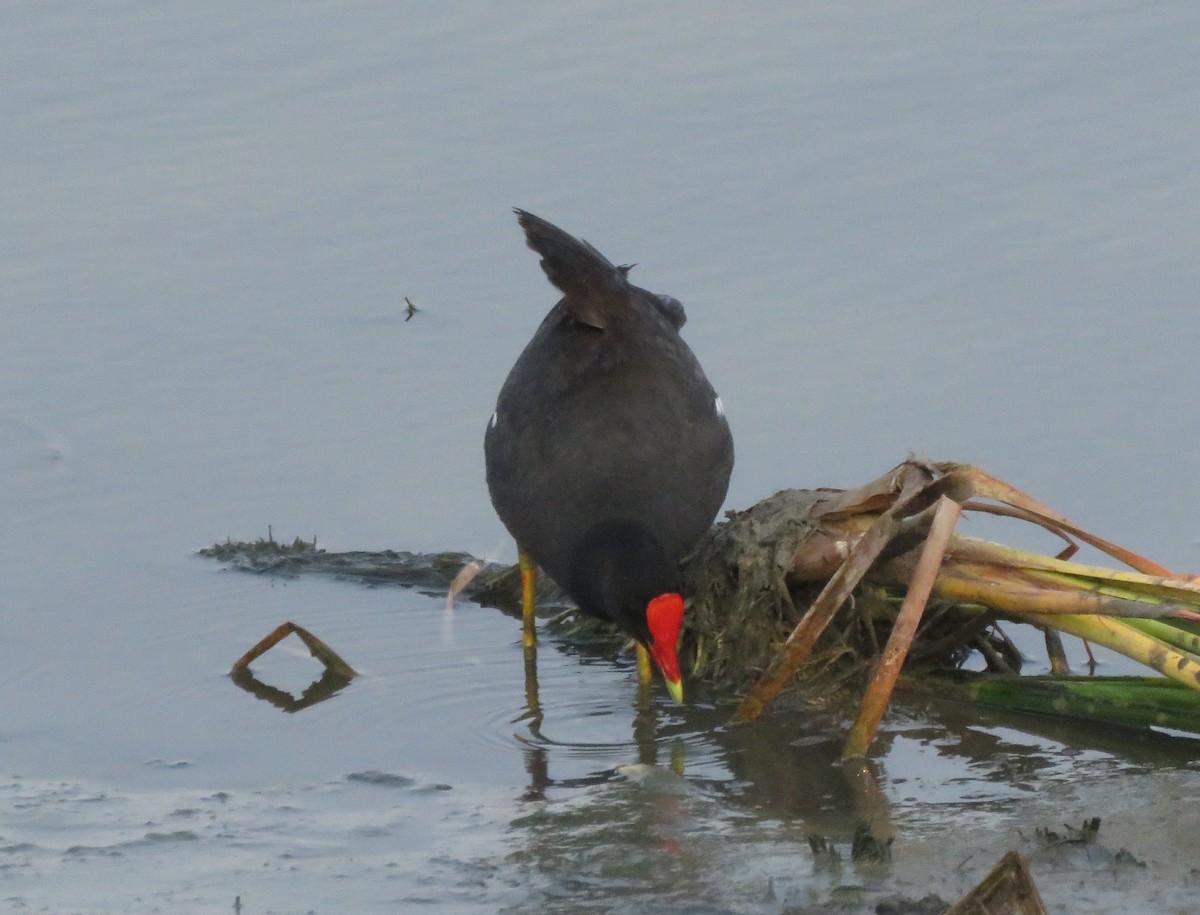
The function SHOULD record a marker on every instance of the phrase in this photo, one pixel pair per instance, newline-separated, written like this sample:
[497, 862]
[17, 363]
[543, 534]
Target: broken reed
[1148, 614]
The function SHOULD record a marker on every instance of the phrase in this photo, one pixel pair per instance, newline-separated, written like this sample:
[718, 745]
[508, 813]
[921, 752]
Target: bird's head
[621, 573]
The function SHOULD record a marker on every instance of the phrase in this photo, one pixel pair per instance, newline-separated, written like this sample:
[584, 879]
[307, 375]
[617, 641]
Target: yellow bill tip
[675, 688]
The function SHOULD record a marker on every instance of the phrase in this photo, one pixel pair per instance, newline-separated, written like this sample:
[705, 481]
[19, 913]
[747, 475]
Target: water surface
[969, 233]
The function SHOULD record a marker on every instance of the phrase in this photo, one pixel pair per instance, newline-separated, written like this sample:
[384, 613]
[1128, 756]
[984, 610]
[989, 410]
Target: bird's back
[603, 424]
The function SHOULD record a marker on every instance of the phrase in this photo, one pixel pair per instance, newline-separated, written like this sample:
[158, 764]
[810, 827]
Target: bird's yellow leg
[533, 702]
[528, 582]
[644, 667]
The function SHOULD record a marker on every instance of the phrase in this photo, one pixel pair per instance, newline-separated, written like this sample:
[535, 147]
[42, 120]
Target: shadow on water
[705, 814]
[744, 826]
[328, 685]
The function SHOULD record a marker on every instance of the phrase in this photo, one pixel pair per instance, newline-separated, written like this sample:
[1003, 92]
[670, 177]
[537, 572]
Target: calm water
[969, 233]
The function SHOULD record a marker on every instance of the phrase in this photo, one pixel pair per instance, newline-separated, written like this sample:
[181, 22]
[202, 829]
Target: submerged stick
[319, 650]
[887, 670]
[1008, 889]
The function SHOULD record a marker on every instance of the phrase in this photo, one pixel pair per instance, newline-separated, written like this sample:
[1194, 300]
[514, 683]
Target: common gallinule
[608, 455]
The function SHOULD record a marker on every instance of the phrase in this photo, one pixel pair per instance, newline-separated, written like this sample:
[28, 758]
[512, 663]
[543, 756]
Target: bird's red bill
[664, 616]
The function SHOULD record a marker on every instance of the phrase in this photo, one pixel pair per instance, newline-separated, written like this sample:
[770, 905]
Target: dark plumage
[609, 454]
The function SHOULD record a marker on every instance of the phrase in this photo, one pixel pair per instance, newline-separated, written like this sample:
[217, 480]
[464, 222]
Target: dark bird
[609, 454]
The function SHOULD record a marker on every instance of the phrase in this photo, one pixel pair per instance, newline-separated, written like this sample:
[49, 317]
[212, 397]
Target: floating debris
[1008, 889]
[804, 590]
[336, 676]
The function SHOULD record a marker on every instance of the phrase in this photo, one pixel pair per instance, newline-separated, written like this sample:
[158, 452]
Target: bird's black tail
[594, 288]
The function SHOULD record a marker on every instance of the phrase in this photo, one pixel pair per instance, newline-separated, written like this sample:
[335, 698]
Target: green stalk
[1188, 643]
[1122, 638]
[1133, 701]
[1125, 584]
